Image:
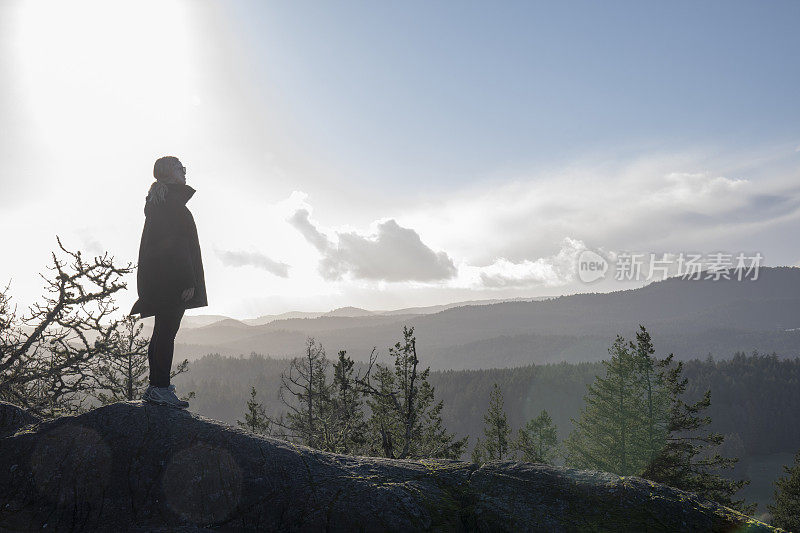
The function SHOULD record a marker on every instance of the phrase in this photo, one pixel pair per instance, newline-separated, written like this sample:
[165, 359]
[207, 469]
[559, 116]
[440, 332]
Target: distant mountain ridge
[200, 320]
[348, 311]
[689, 317]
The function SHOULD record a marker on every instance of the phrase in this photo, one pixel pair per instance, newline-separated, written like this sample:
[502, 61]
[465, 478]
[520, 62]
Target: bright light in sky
[105, 66]
[390, 155]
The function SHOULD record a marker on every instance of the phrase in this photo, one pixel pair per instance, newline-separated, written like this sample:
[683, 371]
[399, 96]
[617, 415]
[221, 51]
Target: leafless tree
[46, 354]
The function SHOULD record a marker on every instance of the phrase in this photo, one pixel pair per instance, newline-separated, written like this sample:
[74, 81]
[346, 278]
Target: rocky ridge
[137, 467]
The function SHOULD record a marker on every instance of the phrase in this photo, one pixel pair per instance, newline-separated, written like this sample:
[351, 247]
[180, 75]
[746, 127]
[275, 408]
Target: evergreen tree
[405, 416]
[121, 372]
[635, 422]
[255, 419]
[655, 399]
[495, 430]
[384, 422]
[538, 440]
[786, 511]
[687, 460]
[610, 425]
[305, 392]
[477, 455]
[342, 416]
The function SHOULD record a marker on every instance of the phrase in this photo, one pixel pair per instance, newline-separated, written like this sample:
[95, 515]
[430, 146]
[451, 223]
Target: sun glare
[94, 66]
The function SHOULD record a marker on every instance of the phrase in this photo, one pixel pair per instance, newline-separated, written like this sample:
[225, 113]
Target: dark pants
[162, 345]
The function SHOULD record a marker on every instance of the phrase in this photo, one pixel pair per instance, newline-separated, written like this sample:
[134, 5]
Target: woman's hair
[168, 169]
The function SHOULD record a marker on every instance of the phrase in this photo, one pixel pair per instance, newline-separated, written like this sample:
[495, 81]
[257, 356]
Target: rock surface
[12, 418]
[138, 467]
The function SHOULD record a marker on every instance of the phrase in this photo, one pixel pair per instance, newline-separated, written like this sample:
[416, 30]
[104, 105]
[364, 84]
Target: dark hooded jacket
[169, 256]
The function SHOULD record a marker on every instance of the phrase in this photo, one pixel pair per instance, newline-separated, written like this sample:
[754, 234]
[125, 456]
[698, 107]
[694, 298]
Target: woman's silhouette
[170, 277]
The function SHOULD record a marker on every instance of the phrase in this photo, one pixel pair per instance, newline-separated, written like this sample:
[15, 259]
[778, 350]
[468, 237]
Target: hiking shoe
[184, 403]
[146, 395]
[164, 396]
[171, 387]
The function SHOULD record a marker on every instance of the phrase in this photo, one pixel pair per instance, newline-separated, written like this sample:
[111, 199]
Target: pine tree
[342, 417]
[405, 416]
[610, 425]
[635, 422]
[495, 431]
[255, 419]
[385, 421]
[121, 372]
[305, 392]
[538, 440]
[786, 511]
[687, 460]
[431, 439]
[655, 399]
[477, 455]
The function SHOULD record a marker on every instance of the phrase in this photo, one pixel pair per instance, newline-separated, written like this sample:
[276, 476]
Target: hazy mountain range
[692, 318]
[197, 321]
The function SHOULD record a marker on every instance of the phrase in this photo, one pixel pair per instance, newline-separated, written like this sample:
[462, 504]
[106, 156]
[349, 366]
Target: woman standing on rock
[170, 276]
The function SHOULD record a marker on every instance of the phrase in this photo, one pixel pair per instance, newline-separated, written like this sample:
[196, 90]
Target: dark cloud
[394, 254]
[255, 259]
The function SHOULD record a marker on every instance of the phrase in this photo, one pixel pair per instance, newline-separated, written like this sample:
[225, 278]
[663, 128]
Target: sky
[394, 154]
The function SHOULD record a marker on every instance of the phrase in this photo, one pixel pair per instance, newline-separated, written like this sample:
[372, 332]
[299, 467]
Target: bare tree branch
[46, 355]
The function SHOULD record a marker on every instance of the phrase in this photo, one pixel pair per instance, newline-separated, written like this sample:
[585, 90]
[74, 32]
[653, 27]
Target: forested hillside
[691, 318]
[754, 398]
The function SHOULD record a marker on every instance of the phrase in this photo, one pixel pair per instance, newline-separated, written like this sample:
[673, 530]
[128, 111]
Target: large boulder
[138, 467]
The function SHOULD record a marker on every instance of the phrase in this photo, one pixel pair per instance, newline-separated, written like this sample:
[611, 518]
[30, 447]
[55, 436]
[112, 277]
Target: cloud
[552, 271]
[524, 235]
[89, 242]
[301, 220]
[255, 259]
[669, 203]
[393, 253]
